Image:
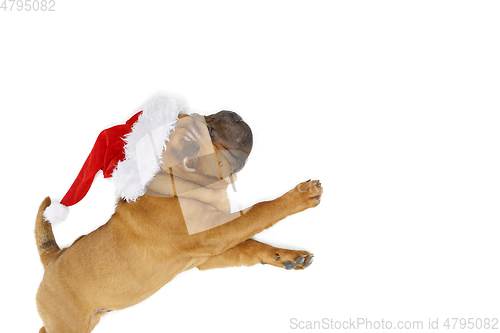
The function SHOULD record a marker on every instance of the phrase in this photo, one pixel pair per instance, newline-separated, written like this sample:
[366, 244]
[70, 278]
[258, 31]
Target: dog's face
[206, 149]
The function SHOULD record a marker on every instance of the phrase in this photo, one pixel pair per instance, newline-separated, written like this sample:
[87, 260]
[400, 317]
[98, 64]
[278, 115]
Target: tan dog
[183, 221]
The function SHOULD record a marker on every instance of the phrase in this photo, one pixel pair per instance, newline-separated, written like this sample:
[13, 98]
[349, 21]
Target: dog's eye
[190, 148]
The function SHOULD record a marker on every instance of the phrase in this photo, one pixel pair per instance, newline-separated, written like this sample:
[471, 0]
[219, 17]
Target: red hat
[130, 154]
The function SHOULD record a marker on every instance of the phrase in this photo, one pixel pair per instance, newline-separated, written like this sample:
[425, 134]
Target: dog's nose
[224, 117]
[230, 116]
[235, 117]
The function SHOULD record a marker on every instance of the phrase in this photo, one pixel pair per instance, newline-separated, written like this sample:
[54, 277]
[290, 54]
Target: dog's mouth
[231, 136]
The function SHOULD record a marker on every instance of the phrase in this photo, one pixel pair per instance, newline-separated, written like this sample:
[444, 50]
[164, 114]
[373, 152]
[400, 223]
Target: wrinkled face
[206, 149]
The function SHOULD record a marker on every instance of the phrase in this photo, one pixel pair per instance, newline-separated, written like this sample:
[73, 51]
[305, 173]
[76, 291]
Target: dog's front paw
[290, 259]
[305, 195]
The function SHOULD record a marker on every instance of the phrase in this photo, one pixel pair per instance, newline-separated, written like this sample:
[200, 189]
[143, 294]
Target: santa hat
[130, 154]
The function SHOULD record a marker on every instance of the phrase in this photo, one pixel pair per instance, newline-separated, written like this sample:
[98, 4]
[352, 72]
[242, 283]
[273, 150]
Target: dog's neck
[215, 194]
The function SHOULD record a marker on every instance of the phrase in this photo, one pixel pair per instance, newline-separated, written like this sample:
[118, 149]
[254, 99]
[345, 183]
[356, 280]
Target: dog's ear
[188, 153]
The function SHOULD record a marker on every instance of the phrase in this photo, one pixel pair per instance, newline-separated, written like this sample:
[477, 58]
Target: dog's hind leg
[61, 313]
[252, 252]
[70, 324]
[96, 316]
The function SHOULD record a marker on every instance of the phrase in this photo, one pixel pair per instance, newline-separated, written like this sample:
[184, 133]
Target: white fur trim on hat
[145, 146]
[56, 212]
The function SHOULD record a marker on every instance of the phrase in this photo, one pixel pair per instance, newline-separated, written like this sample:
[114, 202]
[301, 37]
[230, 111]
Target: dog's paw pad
[300, 260]
[288, 259]
[289, 265]
[309, 261]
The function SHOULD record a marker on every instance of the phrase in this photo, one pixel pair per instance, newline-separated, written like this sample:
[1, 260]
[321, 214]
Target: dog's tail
[45, 241]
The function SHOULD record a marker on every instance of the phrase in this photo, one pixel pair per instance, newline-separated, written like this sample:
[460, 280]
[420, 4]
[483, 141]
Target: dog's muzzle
[232, 136]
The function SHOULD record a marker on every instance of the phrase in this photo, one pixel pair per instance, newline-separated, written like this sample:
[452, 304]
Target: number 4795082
[28, 5]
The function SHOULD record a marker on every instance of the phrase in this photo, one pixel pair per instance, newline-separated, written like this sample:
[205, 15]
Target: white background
[393, 105]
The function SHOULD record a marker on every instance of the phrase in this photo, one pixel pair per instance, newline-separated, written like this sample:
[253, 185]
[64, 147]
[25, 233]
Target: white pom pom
[56, 212]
